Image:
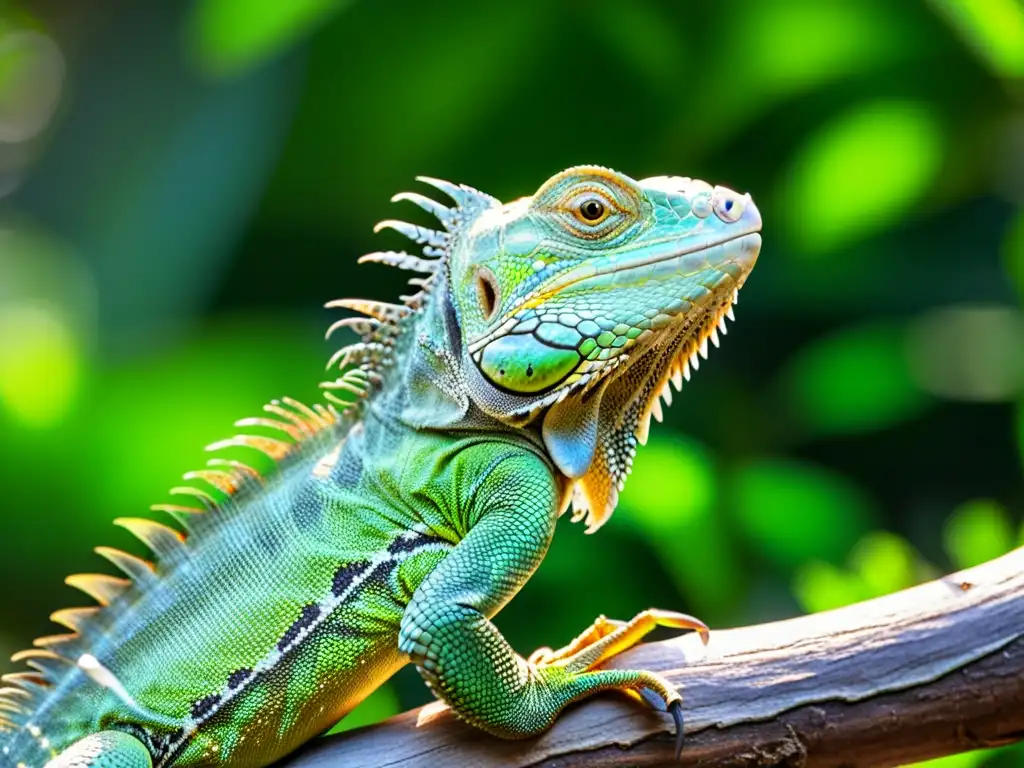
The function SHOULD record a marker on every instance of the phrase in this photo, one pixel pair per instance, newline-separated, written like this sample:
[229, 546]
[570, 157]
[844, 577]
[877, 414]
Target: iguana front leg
[106, 749]
[446, 628]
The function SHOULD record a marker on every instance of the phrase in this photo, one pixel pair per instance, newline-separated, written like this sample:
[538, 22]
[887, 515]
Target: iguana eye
[593, 210]
[488, 292]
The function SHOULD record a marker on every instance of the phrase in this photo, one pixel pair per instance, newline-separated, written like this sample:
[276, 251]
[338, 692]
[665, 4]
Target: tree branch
[930, 671]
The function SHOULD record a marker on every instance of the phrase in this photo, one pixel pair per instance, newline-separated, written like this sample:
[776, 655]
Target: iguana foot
[606, 638]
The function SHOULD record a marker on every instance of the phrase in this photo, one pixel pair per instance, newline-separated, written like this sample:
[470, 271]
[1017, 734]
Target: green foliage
[1013, 252]
[857, 379]
[790, 511]
[880, 563]
[1019, 429]
[686, 520]
[978, 531]
[993, 28]
[40, 364]
[838, 170]
[230, 36]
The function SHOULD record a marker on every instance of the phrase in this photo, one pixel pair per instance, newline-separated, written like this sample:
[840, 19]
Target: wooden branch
[930, 671]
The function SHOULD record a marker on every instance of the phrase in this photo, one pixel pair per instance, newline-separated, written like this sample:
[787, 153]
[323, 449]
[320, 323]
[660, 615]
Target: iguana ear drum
[522, 364]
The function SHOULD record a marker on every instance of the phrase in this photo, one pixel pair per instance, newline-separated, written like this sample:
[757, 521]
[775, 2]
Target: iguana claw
[676, 710]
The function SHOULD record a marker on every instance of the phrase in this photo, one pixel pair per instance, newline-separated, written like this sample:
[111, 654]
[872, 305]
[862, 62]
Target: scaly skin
[404, 515]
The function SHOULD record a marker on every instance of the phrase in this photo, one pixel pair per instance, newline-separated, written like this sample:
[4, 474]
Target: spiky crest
[298, 430]
[302, 429]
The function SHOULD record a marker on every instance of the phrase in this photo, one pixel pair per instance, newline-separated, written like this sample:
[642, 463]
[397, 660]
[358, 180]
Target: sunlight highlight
[40, 364]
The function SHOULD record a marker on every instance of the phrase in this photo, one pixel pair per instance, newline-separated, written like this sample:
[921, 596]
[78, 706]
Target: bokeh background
[184, 184]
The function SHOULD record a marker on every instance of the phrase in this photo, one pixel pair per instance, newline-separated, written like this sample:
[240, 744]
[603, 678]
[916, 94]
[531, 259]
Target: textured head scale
[578, 307]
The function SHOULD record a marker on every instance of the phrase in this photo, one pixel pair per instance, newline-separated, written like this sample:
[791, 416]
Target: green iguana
[407, 509]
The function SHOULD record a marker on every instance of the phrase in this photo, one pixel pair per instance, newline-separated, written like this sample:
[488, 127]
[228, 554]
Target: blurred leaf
[380, 704]
[646, 41]
[47, 323]
[793, 512]
[680, 521]
[1019, 419]
[973, 353]
[31, 79]
[994, 29]
[1013, 253]
[880, 563]
[836, 39]
[976, 532]
[40, 363]
[963, 760]
[414, 94]
[862, 172]
[174, 403]
[820, 586]
[885, 563]
[230, 36]
[669, 454]
[162, 194]
[854, 380]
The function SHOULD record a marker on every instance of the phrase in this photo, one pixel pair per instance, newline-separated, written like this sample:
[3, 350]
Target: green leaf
[880, 563]
[884, 563]
[47, 318]
[31, 80]
[647, 42]
[855, 380]
[836, 40]
[862, 172]
[228, 37]
[1001, 757]
[993, 29]
[820, 586]
[692, 489]
[963, 760]
[969, 352]
[1019, 419]
[977, 532]
[41, 364]
[793, 512]
[1013, 253]
[189, 396]
[672, 498]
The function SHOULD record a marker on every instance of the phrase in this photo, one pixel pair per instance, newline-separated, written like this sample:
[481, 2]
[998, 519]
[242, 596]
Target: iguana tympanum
[406, 510]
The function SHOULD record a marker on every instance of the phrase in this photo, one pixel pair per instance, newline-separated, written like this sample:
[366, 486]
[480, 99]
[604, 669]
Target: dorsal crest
[287, 432]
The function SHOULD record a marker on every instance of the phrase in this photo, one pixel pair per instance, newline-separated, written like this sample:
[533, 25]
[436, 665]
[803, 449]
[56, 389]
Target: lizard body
[405, 512]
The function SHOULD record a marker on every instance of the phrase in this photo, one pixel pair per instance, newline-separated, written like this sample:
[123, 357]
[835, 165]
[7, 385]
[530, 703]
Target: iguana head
[579, 306]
